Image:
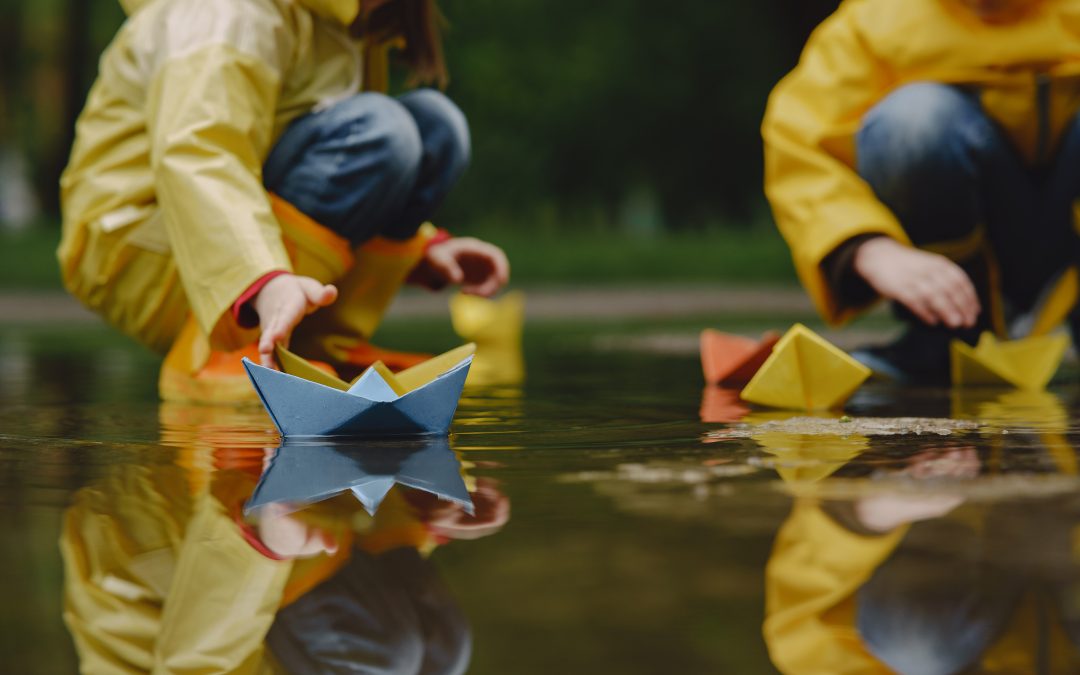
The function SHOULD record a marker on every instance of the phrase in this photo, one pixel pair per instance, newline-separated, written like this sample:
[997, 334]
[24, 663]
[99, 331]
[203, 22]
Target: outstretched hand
[479, 267]
[281, 304]
[933, 287]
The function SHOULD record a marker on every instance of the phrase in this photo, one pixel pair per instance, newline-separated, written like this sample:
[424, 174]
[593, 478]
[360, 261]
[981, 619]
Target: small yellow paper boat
[495, 326]
[805, 372]
[489, 322]
[1027, 363]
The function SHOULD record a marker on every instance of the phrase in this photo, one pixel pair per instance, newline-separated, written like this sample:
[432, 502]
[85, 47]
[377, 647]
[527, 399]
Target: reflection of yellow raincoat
[164, 209]
[1028, 74]
[813, 574]
[158, 577]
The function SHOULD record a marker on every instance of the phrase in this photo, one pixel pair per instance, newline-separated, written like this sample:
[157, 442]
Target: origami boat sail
[1028, 363]
[733, 359]
[805, 372]
[305, 401]
[303, 473]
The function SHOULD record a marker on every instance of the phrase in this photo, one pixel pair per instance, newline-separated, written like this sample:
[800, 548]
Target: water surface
[616, 532]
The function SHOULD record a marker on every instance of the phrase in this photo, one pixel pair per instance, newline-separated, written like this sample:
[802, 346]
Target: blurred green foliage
[611, 115]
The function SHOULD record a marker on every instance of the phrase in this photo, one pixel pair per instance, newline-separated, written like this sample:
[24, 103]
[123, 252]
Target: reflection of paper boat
[1013, 409]
[489, 322]
[305, 401]
[805, 372]
[303, 473]
[1028, 363]
[721, 405]
[733, 359]
[808, 458]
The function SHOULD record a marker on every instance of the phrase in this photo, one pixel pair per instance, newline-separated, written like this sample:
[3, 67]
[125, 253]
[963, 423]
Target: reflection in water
[303, 472]
[721, 405]
[909, 580]
[163, 573]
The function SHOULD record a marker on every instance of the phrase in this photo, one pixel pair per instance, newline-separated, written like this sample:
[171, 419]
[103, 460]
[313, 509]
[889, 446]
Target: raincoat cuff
[242, 311]
[252, 538]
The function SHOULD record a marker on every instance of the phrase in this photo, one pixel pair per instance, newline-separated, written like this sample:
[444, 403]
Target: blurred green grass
[738, 256]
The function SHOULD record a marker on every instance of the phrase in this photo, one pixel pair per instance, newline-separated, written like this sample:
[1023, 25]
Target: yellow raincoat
[159, 578]
[163, 203]
[1027, 73]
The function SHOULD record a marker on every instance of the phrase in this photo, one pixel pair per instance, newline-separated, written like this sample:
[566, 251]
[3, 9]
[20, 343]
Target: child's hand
[935, 288]
[290, 537]
[281, 303]
[481, 268]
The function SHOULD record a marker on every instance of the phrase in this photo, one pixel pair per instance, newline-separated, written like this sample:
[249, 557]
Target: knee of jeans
[382, 129]
[918, 122]
[441, 123]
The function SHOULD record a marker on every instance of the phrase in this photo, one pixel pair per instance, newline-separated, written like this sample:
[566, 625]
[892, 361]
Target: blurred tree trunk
[76, 71]
[10, 66]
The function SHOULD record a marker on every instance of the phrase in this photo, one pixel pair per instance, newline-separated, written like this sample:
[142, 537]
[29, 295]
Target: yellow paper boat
[495, 326]
[489, 322]
[805, 372]
[1028, 363]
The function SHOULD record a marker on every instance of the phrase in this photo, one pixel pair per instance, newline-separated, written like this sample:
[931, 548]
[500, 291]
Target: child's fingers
[443, 259]
[317, 294]
[266, 350]
[921, 309]
[500, 265]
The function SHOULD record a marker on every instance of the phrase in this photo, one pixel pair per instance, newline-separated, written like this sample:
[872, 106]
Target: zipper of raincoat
[1042, 107]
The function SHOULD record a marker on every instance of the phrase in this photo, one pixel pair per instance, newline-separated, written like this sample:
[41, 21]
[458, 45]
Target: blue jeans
[948, 173]
[371, 164]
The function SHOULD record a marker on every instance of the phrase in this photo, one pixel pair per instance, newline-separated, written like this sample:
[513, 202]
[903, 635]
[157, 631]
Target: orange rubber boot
[193, 373]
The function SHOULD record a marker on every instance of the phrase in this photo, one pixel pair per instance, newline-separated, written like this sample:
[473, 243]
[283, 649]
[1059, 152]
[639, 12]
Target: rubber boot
[340, 334]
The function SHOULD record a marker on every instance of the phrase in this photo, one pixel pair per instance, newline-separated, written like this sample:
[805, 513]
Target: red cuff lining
[440, 236]
[242, 311]
[252, 538]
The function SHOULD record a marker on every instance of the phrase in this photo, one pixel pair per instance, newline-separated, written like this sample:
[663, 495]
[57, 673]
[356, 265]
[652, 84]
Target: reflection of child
[201, 108]
[927, 152]
[893, 582]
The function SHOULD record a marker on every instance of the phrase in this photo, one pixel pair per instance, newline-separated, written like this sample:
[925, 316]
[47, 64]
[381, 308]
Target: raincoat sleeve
[814, 571]
[818, 199]
[216, 75]
[223, 598]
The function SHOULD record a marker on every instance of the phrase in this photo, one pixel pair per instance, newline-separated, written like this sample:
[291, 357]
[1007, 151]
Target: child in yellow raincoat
[928, 152]
[234, 159]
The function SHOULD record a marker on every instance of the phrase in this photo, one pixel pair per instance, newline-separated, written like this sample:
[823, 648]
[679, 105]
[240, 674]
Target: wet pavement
[625, 519]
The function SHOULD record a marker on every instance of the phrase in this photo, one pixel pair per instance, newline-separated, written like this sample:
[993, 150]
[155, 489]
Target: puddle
[621, 517]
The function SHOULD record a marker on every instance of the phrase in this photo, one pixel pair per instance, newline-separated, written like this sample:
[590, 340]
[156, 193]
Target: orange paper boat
[733, 359]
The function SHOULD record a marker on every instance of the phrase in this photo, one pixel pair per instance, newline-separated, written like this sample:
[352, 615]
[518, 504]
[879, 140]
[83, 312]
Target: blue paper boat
[305, 401]
[305, 472]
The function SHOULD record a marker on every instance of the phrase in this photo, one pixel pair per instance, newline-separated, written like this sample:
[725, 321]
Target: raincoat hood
[343, 11]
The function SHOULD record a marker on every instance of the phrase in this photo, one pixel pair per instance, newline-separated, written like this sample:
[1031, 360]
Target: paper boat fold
[417, 401]
[733, 359]
[304, 472]
[1027, 363]
[805, 372]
